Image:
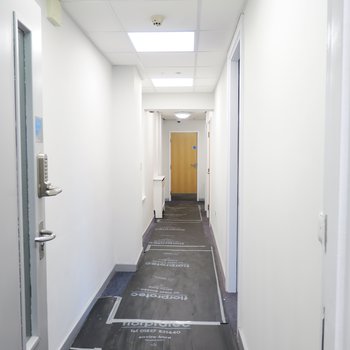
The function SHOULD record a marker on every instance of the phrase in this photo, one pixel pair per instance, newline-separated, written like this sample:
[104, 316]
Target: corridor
[173, 301]
[111, 108]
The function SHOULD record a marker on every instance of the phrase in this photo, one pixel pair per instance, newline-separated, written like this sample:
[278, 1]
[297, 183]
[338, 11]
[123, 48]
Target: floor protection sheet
[174, 285]
[95, 331]
[157, 336]
[149, 335]
[182, 212]
[185, 235]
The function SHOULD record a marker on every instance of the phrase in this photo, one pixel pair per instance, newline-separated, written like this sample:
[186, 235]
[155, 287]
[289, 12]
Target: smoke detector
[157, 20]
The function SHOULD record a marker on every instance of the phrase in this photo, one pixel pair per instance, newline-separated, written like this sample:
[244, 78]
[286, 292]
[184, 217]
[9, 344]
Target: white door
[23, 304]
[336, 293]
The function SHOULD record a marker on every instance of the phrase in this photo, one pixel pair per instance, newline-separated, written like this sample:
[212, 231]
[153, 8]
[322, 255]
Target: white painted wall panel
[180, 101]
[218, 168]
[280, 282]
[77, 132]
[127, 167]
[150, 122]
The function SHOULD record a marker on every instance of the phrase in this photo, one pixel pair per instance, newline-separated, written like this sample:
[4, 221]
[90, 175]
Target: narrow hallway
[173, 301]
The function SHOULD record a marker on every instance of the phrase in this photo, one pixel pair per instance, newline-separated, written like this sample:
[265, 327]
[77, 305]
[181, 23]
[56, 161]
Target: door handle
[45, 236]
[52, 191]
[194, 165]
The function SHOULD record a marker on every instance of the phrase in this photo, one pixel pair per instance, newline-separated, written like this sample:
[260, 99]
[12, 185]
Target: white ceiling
[107, 23]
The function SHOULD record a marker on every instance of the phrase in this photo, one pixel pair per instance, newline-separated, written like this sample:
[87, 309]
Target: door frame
[235, 118]
[39, 338]
[18, 24]
[207, 170]
[169, 165]
[336, 286]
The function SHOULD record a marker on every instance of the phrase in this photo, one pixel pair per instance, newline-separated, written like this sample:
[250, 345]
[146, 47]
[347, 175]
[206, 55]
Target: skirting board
[129, 267]
[73, 334]
[222, 277]
[147, 234]
[241, 341]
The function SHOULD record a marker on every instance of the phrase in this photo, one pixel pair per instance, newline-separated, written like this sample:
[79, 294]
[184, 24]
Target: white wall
[186, 125]
[218, 169]
[178, 101]
[77, 131]
[97, 140]
[158, 142]
[283, 126]
[148, 157]
[281, 165]
[127, 168]
[151, 163]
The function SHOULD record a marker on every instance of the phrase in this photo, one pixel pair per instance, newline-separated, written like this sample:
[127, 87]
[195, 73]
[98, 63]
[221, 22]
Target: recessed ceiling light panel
[182, 115]
[176, 82]
[163, 41]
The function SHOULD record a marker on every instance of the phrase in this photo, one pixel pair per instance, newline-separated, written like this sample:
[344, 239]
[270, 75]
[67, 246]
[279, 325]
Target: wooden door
[183, 162]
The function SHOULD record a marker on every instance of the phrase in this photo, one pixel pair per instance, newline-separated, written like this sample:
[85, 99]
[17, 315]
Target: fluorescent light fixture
[163, 41]
[182, 115]
[174, 82]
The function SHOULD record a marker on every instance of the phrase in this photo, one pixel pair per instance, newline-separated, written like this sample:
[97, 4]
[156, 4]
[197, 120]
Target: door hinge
[323, 327]
[208, 206]
[208, 134]
[322, 230]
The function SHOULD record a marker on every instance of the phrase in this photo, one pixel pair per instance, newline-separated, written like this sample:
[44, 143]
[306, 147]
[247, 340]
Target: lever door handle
[53, 191]
[45, 236]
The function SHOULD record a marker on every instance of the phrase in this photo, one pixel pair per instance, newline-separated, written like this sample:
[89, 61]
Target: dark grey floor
[184, 197]
[173, 231]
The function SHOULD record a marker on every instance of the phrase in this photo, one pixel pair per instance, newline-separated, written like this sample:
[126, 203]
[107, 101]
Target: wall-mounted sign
[39, 135]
